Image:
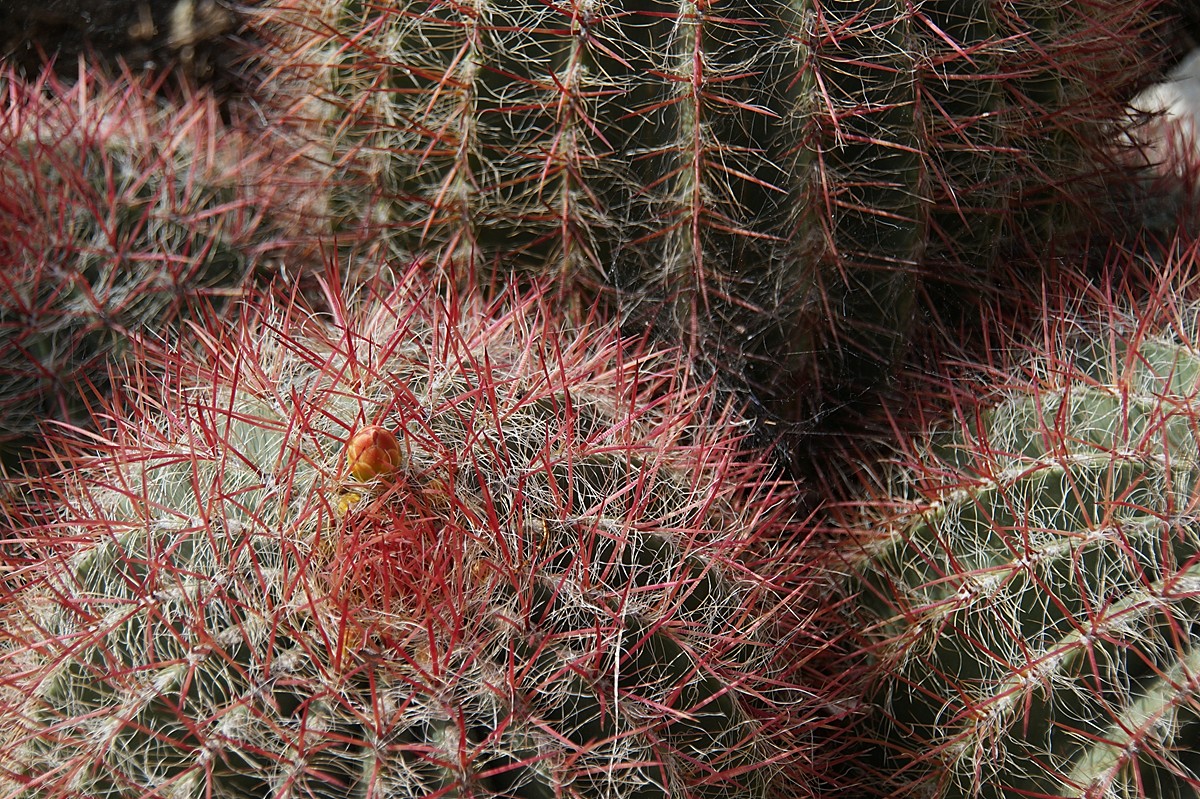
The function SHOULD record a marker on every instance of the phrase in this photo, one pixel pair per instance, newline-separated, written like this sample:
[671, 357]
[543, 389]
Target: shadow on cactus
[538, 570]
[148, 33]
[767, 183]
[121, 216]
[1029, 585]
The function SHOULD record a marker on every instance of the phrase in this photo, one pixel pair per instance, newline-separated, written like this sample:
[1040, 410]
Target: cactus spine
[121, 215]
[760, 178]
[1032, 609]
[552, 596]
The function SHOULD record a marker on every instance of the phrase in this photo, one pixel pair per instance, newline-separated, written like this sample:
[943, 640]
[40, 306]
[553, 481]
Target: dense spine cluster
[1033, 607]
[384, 380]
[555, 587]
[121, 215]
[766, 181]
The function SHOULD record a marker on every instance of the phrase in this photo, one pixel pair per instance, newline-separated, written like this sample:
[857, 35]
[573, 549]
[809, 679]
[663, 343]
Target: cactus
[121, 215]
[1029, 593]
[762, 180]
[561, 585]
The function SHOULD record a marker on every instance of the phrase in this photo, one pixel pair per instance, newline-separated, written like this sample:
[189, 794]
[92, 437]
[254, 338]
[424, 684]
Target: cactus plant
[760, 179]
[1029, 581]
[121, 214]
[563, 586]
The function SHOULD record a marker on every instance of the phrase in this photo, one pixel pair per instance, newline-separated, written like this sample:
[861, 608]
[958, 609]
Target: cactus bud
[373, 452]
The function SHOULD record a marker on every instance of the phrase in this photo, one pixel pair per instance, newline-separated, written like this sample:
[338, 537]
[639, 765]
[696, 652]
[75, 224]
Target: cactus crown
[553, 596]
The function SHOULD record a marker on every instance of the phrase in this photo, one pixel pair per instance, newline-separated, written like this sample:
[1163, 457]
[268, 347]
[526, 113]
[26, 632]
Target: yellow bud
[346, 502]
[373, 452]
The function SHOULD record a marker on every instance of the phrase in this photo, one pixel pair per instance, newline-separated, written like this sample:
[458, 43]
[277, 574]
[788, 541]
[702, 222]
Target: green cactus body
[759, 177]
[1033, 615]
[549, 599]
[122, 216]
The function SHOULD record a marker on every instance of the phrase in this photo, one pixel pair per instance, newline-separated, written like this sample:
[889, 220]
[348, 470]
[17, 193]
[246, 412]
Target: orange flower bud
[373, 452]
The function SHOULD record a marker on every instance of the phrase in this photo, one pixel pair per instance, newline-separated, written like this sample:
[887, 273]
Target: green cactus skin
[122, 215]
[1034, 612]
[554, 598]
[766, 181]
